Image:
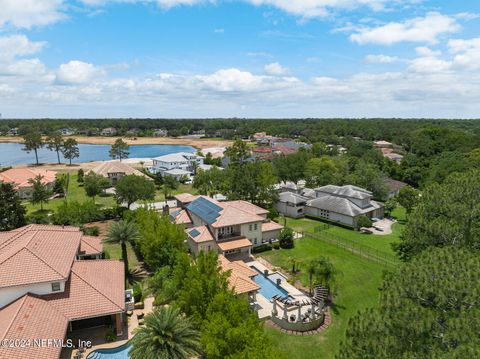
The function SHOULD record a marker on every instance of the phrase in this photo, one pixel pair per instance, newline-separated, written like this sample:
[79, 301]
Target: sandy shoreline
[98, 140]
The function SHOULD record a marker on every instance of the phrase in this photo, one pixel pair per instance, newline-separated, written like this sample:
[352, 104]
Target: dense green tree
[54, 142]
[40, 192]
[364, 221]
[161, 241]
[237, 153]
[75, 213]
[12, 212]
[70, 149]
[408, 197]
[291, 167]
[169, 185]
[132, 188]
[370, 177]
[210, 182]
[123, 232]
[119, 150]
[33, 142]
[446, 215]
[94, 184]
[80, 175]
[286, 238]
[166, 334]
[321, 171]
[428, 309]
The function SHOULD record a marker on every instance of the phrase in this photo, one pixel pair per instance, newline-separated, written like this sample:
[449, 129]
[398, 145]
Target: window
[250, 227]
[55, 287]
[255, 241]
[255, 226]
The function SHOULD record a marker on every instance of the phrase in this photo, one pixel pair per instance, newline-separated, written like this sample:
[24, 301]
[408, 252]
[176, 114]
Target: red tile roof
[30, 317]
[95, 287]
[203, 235]
[271, 226]
[185, 197]
[91, 245]
[240, 277]
[183, 218]
[20, 176]
[247, 207]
[235, 244]
[32, 254]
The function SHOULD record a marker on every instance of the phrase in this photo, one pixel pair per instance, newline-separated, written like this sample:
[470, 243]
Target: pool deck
[97, 335]
[266, 306]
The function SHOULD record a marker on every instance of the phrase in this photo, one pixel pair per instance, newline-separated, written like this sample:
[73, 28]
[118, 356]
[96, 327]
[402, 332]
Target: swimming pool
[120, 352]
[268, 288]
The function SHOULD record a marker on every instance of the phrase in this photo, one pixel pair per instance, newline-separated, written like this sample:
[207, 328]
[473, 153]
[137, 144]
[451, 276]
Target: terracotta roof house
[19, 178]
[231, 228]
[115, 170]
[46, 290]
[240, 276]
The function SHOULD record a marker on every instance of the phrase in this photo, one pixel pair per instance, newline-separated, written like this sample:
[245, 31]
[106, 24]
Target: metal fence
[354, 247]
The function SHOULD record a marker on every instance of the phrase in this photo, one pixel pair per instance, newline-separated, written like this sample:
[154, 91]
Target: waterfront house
[183, 162]
[160, 133]
[109, 131]
[20, 177]
[115, 170]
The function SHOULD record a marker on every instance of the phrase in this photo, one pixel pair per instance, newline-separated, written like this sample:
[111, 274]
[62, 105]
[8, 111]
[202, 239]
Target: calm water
[12, 154]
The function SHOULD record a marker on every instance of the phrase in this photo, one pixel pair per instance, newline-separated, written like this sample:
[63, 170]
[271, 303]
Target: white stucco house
[177, 164]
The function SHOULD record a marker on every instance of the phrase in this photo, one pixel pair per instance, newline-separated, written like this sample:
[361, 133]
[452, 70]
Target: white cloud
[18, 45]
[430, 64]
[26, 67]
[381, 59]
[28, 13]
[76, 72]
[424, 51]
[421, 29]
[467, 53]
[275, 69]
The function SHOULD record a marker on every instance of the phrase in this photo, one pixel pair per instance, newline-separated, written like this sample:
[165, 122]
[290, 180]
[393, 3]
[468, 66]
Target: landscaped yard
[357, 286]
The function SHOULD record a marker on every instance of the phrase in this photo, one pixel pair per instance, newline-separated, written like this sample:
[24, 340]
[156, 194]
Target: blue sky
[252, 58]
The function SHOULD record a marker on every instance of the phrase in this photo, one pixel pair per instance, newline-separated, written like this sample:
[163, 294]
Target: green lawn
[357, 286]
[114, 251]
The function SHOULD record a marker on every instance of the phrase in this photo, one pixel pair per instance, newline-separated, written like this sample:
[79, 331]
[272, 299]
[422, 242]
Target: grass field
[357, 286]
[77, 193]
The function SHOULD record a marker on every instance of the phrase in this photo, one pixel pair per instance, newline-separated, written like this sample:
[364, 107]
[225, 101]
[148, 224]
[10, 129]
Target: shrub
[272, 213]
[138, 293]
[80, 174]
[364, 221]
[38, 218]
[74, 213]
[276, 245]
[110, 336]
[91, 231]
[286, 238]
[262, 248]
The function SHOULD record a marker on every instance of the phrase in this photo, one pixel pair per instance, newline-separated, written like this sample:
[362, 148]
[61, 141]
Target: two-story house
[47, 288]
[231, 228]
[177, 164]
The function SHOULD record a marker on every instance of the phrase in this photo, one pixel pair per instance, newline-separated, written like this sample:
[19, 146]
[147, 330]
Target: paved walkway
[385, 225]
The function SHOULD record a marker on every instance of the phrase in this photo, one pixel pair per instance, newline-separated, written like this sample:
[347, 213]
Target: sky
[248, 58]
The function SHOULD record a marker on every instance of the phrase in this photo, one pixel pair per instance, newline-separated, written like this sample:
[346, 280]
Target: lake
[11, 154]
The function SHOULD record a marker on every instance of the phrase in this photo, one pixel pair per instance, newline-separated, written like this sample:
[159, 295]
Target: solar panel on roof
[194, 232]
[206, 210]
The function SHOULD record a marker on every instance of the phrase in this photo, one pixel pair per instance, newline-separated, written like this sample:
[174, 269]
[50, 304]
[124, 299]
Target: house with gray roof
[343, 204]
[340, 204]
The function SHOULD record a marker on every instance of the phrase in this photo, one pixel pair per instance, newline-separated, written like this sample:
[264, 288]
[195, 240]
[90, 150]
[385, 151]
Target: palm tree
[166, 334]
[123, 232]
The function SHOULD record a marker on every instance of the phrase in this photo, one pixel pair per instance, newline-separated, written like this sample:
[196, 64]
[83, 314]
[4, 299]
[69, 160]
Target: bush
[272, 213]
[286, 238]
[138, 293]
[38, 218]
[276, 245]
[91, 231]
[110, 336]
[74, 213]
[364, 221]
[80, 174]
[262, 248]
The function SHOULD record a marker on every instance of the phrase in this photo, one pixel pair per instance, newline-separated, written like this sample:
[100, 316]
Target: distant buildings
[394, 187]
[13, 132]
[160, 133]
[66, 131]
[109, 131]
[20, 177]
[340, 204]
[388, 150]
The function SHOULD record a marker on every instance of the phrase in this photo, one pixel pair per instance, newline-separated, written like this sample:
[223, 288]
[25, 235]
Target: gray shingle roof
[345, 191]
[342, 205]
[293, 198]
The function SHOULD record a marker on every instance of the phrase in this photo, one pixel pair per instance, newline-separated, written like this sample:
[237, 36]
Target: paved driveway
[384, 224]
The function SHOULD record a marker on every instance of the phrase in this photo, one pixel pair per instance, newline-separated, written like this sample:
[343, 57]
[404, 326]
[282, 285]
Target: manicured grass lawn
[381, 244]
[357, 289]
[357, 286]
[114, 251]
[75, 193]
